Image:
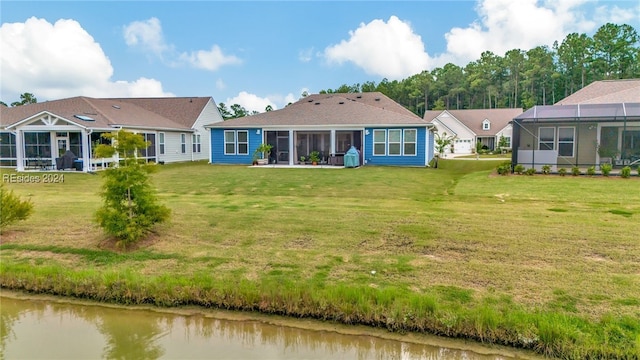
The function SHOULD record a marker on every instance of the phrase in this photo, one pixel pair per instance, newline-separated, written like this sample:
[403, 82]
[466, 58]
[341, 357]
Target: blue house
[383, 131]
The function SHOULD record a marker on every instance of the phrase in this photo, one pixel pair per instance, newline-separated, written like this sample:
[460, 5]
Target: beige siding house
[469, 127]
[598, 124]
[36, 136]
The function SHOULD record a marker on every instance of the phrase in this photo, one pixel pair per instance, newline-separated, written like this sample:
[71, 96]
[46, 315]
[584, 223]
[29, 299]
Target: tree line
[539, 76]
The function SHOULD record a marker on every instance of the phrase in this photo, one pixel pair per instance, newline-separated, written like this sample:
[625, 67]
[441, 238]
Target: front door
[62, 140]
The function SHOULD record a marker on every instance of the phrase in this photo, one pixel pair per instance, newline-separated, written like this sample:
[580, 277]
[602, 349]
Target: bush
[606, 169]
[562, 171]
[546, 169]
[625, 172]
[575, 171]
[12, 208]
[530, 171]
[504, 168]
[638, 170]
[591, 170]
[519, 169]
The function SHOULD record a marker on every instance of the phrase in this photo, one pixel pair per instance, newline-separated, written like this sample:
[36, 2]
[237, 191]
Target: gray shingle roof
[473, 118]
[160, 113]
[605, 92]
[337, 109]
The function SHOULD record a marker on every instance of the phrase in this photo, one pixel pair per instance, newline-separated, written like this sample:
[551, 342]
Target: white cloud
[209, 60]
[305, 55]
[220, 85]
[146, 35]
[60, 60]
[251, 102]
[506, 24]
[390, 49]
[617, 15]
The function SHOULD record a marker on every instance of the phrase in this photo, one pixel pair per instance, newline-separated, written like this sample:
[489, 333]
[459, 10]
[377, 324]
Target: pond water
[51, 329]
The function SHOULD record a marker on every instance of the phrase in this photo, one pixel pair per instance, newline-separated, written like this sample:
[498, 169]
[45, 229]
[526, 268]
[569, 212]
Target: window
[486, 124]
[546, 138]
[75, 143]
[183, 143]
[243, 142]
[566, 136]
[195, 139]
[37, 144]
[7, 149]
[507, 141]
[410, 141]
[395, 138]
[161, 142]
[236, 142]
[229, 142]
[379, 142]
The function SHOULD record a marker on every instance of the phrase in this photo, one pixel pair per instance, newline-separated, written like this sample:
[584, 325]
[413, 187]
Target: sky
[260, 53]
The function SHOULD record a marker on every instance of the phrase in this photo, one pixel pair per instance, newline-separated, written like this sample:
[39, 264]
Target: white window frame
[195, 140]
[399, 142]
[233, 142]
[405, 142]
[183, 143]
[486, 125]
[572, 141]
[238, 142]
[553, 142]
[508, 138]
[384, 142]
[161, 144]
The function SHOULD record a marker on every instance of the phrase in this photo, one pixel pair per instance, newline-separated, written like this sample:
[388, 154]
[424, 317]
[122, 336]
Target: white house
[36, 136]
[469, 127]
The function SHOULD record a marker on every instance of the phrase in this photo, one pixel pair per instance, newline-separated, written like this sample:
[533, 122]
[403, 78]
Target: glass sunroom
[577, 135]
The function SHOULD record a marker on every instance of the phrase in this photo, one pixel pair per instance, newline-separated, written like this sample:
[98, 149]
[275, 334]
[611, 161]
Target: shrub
[591, 170]
[575, 171]
[13, 209]
[638, 170]
[546, 169]
[606, 169]
[562, 171]
[530, 171]
[504, 168]
[625, 172]
[519, 169]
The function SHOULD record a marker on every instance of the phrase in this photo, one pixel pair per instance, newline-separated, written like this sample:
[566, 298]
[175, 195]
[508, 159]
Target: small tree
[12, 209]
[130, 206]
[443, 141]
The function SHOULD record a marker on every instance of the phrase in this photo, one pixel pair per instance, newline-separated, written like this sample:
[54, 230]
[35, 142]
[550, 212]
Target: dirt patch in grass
[113, 244]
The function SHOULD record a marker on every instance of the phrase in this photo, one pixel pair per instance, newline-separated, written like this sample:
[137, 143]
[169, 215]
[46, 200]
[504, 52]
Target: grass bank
[545, 263]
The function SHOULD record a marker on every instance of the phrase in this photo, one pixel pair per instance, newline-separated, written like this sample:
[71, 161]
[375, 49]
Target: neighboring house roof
[333, 110]
[107, 113]
[182, 110]
[605, 92]
[582, 112]
[473, 118]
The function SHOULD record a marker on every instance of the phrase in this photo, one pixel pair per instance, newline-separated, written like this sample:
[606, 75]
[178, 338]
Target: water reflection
[70, 331]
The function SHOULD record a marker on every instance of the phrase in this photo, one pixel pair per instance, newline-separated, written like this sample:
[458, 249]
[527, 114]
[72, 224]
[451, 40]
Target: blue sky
[258, 53]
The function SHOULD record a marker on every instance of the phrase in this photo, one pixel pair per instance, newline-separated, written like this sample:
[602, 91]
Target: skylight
[84, 118]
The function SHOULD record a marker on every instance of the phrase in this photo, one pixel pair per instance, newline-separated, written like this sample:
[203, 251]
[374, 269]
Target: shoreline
[297, 323]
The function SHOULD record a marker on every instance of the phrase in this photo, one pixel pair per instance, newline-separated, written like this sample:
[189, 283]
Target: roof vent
[317, 103]
[310, 100]
[359, 96]
[116, 106]
[341, 102]
[377, 99]
[84, 118]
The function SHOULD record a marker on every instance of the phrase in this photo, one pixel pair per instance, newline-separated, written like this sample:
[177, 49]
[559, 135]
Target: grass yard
[547, 263]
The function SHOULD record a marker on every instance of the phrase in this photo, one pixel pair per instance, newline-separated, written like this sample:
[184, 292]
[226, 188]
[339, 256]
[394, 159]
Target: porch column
[332, 151]
[291, 143]
[86, 157]
[19, 151]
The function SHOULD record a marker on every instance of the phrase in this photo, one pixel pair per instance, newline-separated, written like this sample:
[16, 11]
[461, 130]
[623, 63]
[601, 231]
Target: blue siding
[217, 147]
[412, 160]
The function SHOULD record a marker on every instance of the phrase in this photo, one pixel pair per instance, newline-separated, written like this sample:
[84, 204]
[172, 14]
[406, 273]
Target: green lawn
[548, 263]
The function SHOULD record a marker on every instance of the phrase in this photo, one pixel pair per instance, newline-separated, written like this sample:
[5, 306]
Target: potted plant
[314, 157]
[264, 150]
[302, 159]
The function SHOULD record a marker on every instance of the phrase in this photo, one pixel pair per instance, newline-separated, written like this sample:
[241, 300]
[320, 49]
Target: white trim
[573, 141]
[225, 142]
[183, 143]
[400, 142]
[415, 142]
[373, 138]
[553, 142]
[162, 147]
